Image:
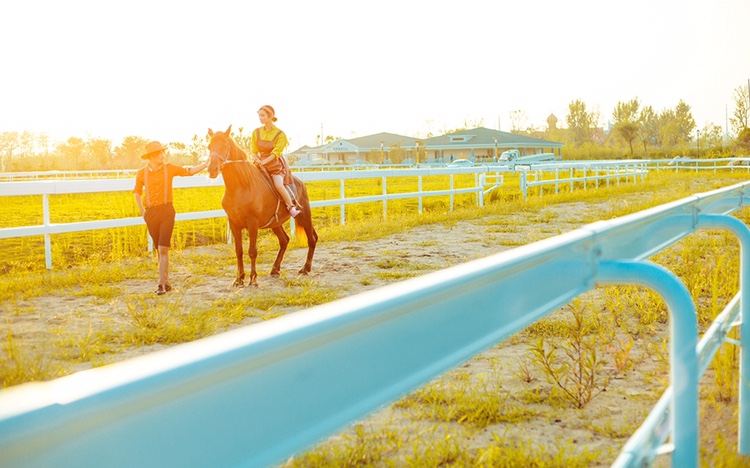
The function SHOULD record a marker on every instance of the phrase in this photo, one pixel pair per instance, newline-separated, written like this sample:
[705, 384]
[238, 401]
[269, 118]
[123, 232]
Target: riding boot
[293, 210]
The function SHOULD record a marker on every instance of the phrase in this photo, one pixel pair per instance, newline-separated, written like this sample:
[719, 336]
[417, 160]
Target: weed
[463, 403]
[523, 372]
[17, 367]
[620, 352]
[726, 371]
[358, 448]
[443, 452]
[527, 453]
[87, 347]
[579, 375]
[395, 275]
[390, 262]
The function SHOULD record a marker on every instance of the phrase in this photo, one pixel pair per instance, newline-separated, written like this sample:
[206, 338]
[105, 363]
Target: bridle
[225, 159]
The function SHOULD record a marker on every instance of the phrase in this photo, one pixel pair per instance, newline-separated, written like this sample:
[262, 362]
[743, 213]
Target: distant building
[478, 144]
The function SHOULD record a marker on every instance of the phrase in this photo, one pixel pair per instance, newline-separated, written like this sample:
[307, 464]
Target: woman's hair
[269, 110]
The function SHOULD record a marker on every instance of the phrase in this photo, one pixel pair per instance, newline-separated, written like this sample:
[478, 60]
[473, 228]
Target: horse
[251, 202]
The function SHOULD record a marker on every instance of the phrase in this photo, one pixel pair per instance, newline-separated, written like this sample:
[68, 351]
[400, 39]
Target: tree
[99, 153]
[242, 139]
[9, 142]
[711, 139]
[667, 125]
[743, 142]
[580, 122]
[742, 110]
[519, 122]
[71, 152]
[199, 146]
[128, 154]
[649, 131]
[685, 122]
[675, 127]
[626, 121]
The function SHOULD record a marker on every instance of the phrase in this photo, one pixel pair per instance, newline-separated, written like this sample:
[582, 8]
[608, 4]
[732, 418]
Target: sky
[169, 70]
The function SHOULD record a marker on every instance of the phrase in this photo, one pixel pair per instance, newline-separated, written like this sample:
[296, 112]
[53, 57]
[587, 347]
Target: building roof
[388, 140]
[482, 136]
[475, 137]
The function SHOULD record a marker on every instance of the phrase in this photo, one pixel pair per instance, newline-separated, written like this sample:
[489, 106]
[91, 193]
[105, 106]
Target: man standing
[153, 194]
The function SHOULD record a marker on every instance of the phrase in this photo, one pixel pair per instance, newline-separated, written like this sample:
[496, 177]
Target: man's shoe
[160, 290]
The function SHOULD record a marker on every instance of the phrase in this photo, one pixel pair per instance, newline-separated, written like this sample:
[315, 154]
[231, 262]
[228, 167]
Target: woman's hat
[152, 148]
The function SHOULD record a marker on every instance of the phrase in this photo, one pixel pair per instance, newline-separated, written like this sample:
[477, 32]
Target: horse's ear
[229, 129]
[210, 132]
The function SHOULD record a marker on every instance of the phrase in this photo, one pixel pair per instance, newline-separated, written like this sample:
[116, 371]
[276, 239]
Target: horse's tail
[301, 235]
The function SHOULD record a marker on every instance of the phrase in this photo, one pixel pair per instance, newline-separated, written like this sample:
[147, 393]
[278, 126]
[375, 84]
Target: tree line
[636, 131]
[639, 131]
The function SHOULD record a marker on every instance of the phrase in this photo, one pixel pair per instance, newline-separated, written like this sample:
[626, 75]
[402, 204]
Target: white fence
[592, 172]
[485, 180]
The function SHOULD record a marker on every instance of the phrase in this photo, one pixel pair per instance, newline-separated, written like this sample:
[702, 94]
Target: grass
[462, 419]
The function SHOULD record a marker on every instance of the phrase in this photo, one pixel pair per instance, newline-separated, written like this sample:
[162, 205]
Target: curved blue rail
[256, 395]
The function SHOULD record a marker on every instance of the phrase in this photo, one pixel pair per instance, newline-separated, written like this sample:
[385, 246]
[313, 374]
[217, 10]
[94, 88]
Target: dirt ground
[344, 265]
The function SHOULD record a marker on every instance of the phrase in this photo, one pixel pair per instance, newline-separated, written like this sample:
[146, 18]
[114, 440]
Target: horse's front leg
[283, 243]
[252, 252]
[237, 238]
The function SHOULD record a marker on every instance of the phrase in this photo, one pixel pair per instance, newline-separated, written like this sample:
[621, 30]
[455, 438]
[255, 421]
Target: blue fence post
[683, 341]
[743, 233]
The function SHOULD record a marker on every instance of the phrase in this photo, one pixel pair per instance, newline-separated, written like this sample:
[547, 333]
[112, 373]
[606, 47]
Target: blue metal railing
[259, 394]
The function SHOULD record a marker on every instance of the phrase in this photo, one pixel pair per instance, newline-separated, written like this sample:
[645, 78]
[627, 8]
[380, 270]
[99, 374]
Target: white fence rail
[485, 180]
[590, 172]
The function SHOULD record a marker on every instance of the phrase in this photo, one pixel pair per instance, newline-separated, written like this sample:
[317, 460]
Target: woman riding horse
[251, 202]
[267, 143]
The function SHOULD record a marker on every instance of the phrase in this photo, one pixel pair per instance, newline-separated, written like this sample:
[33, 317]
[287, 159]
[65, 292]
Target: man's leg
[163, 265]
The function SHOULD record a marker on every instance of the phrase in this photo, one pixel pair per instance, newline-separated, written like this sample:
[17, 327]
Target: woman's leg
[278, 181]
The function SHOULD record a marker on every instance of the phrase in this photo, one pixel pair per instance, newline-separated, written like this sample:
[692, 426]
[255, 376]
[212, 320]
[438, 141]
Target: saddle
[289, 184]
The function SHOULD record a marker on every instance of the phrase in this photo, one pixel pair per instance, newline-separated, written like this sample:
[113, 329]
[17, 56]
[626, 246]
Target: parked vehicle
[514, 156]
[317, 161]
[461, 163]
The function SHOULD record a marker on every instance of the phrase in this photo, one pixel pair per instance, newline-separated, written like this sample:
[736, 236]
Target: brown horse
[251, 203]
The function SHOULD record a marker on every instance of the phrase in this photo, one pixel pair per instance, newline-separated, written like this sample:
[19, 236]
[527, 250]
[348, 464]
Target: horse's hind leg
[283, 243]
[305, 222]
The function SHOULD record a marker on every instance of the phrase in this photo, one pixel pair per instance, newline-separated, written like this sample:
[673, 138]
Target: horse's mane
[247, 173]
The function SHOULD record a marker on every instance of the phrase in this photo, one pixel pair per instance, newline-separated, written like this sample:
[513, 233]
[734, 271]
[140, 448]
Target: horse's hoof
[303, 273]
[275, 274]
[239, 284]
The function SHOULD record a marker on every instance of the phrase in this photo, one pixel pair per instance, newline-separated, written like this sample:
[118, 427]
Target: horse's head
[220, 148]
